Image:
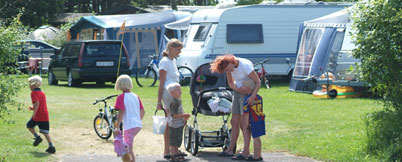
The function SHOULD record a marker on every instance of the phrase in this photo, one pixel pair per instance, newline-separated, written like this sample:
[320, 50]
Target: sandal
[167, 156]
[182, 153]
[250, 158]
[177, 158]
[240, 157]
[224, 154]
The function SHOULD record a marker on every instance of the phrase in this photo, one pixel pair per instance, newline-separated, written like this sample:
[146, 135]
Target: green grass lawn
[298, 123]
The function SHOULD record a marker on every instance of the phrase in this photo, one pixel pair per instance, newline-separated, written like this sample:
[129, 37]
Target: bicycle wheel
[146, 76]
[185, 74]
[102, 127]
[266, 82]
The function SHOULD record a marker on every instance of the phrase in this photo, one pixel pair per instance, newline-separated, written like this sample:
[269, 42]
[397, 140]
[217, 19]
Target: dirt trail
[82, 144]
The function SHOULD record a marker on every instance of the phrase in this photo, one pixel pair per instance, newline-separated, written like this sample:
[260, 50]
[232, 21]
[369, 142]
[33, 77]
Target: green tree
[378, 37]
[9, 87]
[378, 25]
[34, 13]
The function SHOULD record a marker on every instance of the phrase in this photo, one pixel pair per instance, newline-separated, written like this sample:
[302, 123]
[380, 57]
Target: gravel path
[201, 157]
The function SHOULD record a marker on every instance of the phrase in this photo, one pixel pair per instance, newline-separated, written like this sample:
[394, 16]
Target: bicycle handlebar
[153, 56]
[262, 62]
[103, 100]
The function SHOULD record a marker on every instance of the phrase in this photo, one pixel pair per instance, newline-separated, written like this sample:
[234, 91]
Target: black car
[89, 61]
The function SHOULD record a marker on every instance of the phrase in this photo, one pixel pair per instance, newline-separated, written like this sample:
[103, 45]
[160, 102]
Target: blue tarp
[148, 28]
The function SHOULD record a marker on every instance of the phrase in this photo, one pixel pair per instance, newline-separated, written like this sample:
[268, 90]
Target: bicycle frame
[262, 74]
[148, 75]
[154, 64]
[108, 114]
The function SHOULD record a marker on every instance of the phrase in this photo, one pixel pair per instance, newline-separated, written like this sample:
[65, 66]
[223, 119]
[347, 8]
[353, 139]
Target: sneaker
[37, 141]
[51, 150]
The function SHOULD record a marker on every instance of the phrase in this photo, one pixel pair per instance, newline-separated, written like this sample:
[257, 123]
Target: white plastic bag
[159, 123]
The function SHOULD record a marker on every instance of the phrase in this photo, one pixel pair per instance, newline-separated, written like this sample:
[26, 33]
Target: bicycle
[107, 115]
[147, 75]
[262, 74]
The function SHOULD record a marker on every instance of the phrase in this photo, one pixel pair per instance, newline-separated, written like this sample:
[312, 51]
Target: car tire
[71, 81]
[51, 78]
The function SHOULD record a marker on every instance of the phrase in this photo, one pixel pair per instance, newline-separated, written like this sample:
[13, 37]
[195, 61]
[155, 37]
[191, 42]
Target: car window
[65, 51]
[75, 49]
[101, 49]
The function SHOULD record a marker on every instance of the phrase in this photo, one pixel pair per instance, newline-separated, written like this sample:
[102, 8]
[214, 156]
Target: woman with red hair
[237, 71]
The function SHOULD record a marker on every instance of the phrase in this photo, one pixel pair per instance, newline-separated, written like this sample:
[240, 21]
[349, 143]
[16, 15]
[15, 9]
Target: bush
[378, 38]
[8, 86]
[384, 132]
[61, 37]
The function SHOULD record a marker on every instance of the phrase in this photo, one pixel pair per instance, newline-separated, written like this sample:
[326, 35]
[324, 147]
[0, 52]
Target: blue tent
[324, 43]
[144, 33]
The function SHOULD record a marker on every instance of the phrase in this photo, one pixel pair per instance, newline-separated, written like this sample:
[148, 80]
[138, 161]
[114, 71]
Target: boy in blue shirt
[257, 121]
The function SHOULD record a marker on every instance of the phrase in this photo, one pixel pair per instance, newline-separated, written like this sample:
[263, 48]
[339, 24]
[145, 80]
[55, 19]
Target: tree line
[40, 12]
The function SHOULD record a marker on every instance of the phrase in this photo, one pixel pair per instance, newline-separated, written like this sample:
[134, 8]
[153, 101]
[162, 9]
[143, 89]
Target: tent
[324, 48]
[144, 33]
[45, 33]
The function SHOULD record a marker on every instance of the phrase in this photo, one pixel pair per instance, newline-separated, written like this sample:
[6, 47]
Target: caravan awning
[145, 20]
[182, 24]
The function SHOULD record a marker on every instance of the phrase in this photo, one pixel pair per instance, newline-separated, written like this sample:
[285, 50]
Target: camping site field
[297, 123]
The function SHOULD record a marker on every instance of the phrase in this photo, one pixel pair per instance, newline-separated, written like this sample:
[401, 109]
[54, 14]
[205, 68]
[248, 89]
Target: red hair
[221, 62]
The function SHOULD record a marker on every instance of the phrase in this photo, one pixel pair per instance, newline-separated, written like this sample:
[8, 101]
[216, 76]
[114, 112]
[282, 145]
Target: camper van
[254, 32]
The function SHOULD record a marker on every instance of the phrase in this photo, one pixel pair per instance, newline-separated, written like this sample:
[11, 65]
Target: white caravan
[255, 32]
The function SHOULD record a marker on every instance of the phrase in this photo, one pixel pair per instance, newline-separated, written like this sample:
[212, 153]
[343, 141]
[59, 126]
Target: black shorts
[43, 126]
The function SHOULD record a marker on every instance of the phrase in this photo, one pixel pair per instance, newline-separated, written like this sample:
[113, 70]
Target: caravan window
[202, 32]
[308, 46]
[244, 33]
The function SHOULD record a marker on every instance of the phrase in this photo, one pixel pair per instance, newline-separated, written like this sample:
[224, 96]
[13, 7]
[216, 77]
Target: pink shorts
[129, 135]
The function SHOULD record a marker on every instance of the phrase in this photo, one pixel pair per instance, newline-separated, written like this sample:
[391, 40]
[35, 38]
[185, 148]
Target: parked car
[89, 61]
[25, 45]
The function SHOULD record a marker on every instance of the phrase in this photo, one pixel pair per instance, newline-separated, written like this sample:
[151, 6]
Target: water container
[159, 123]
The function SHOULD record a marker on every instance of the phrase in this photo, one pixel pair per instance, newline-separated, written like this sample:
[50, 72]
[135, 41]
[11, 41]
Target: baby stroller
[203, 86]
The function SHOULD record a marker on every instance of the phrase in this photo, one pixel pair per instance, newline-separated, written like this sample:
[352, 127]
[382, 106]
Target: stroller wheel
[187, 137]
[195, 142]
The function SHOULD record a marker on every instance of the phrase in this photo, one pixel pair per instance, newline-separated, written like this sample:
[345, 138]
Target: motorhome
[255, 32]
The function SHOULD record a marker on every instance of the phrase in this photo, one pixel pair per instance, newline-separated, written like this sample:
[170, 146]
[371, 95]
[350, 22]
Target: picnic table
[37, 64]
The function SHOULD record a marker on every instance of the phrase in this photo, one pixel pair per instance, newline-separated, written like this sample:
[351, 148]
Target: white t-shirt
[172, 75]
[241, 73]
[131, 104]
